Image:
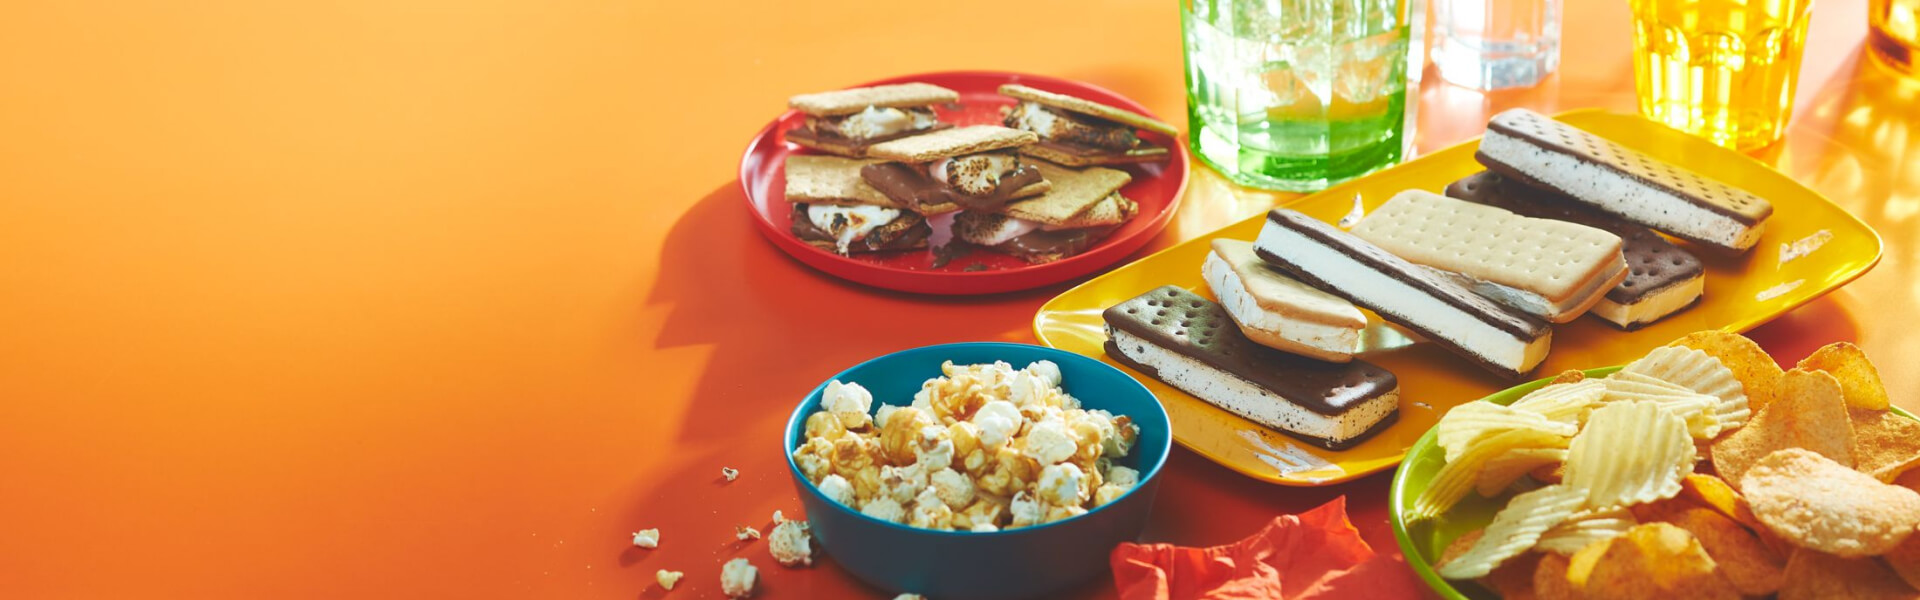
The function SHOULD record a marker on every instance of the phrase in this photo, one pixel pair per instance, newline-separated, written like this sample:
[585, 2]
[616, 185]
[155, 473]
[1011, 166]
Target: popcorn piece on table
[745, 533]
[730, 473]
[647, 538]
[737, 578]
[668, 579]
[790, 543]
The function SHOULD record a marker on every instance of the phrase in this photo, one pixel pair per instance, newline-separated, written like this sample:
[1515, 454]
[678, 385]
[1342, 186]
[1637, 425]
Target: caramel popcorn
[984, 447]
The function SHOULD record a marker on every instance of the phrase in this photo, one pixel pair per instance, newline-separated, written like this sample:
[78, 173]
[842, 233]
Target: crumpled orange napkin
[1315, 555]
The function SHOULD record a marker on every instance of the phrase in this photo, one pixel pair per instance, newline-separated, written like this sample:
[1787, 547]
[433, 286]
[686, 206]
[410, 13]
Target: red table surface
[444, 299]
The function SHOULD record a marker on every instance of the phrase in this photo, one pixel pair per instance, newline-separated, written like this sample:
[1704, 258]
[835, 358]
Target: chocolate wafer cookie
[1505, 341]
[1191, 343]
[1541, 152]
[1662, 278]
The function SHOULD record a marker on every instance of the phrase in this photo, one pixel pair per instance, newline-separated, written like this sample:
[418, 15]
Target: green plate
[1422, 542]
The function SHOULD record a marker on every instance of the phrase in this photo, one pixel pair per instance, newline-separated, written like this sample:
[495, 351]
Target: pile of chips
[1700, 471]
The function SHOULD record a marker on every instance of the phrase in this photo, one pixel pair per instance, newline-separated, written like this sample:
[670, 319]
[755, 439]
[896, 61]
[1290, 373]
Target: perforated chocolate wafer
[1541, 152]
[831, 180]
[951, 142]
[1661, 278]
[846, 102]
[1501, 339]
[1088, 107]
[1191, 343]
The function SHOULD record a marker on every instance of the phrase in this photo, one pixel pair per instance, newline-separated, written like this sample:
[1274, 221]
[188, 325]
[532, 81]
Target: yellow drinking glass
[1895, 33]
[1723, 70]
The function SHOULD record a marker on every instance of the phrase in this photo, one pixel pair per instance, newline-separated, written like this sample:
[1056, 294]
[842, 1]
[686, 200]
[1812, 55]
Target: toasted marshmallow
[1007, 229]
[849, 224]
[973, 174]
[876, 121]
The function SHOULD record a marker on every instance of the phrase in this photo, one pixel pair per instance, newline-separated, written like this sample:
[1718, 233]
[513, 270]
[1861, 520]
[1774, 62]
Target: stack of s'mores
[1563, 225]
[905, 180]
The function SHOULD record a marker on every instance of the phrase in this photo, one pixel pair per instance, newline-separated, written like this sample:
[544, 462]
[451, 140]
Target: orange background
[402, 299]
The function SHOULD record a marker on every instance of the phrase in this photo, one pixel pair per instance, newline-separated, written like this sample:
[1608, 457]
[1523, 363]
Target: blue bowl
[1018, 563]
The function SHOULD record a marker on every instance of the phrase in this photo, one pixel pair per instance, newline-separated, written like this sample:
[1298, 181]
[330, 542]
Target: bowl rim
[796, 425]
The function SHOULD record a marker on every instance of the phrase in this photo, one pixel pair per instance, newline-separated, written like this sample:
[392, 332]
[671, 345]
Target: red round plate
[1156, 187]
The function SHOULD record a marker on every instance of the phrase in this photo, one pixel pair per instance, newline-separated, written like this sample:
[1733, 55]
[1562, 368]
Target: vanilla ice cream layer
[849, 224]
[1652, 307]
[1358, 281]
[1246, 310]
[1631, 198]
[1244, 398]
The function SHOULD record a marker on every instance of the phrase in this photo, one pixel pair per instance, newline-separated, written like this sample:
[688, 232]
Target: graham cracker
[1073, 193]
[1146, 153]
[831, 180]
[1111, 210]
[1088, 107]
[951, 142]
[1555, 259]
[846, 102]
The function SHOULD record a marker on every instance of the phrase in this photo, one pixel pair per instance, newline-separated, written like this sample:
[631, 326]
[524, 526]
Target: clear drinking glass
[1496, 44]
[1895, 33]
[1720, 69]
[1298, 94]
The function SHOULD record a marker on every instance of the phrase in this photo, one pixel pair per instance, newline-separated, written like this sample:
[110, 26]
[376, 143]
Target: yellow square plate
[1741, 293]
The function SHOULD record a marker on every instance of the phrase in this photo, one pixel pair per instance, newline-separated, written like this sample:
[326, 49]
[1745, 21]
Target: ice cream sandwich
[975, 167]
[1536, 150]
[1077, 132]
[1081, 208]
[847, 122]
[836, 211]
[1662, 278]
[1277, 311]
[1504, 341]
[1550, 269]
[1189, 342]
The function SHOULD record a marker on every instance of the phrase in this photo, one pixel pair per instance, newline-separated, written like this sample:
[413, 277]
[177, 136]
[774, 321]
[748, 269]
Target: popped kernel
[744, 533]
[952, 487]
[790, 544]
[647, 538]
[730, 473]
[668, 579]
[737, 578]
[837, 489]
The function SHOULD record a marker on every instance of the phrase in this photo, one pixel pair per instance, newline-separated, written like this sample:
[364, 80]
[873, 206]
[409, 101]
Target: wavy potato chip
[1812, 575]
[1584, 528]
[1885, 445]
[1565, 402]
[1629, 453]
[1808, 414]
[1460, 476]
[1501, 471]
[1820, 504]
[1515, 529]
[1758, 373]
[1859, 380]
[1474, 421]
[1695, 370]
[1653, 560]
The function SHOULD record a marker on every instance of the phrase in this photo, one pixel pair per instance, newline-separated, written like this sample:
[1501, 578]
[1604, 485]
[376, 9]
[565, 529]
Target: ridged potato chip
[1700, 411]
[1823, 505]
[1808, 414]
[1752, 567]
[1474, 421]
[1564, 402]
[1758, 373]
[1885, 445]
[1653, 560]
[1859, 380]
[1501, 471]
[1815, 576]
[1459, 476]
[1515, 529]
[1700, 372]
[1630, 452]
[1585, 528]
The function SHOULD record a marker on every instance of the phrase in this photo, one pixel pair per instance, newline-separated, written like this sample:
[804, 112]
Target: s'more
[1554, 270]
[1662, 278]
[1539, 151]
[975, 167]
[836, 211]
[1189, 342]
[1078, 132]
[1504, 341]
[1081, 207]
[847, 122]
[1277, 311]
